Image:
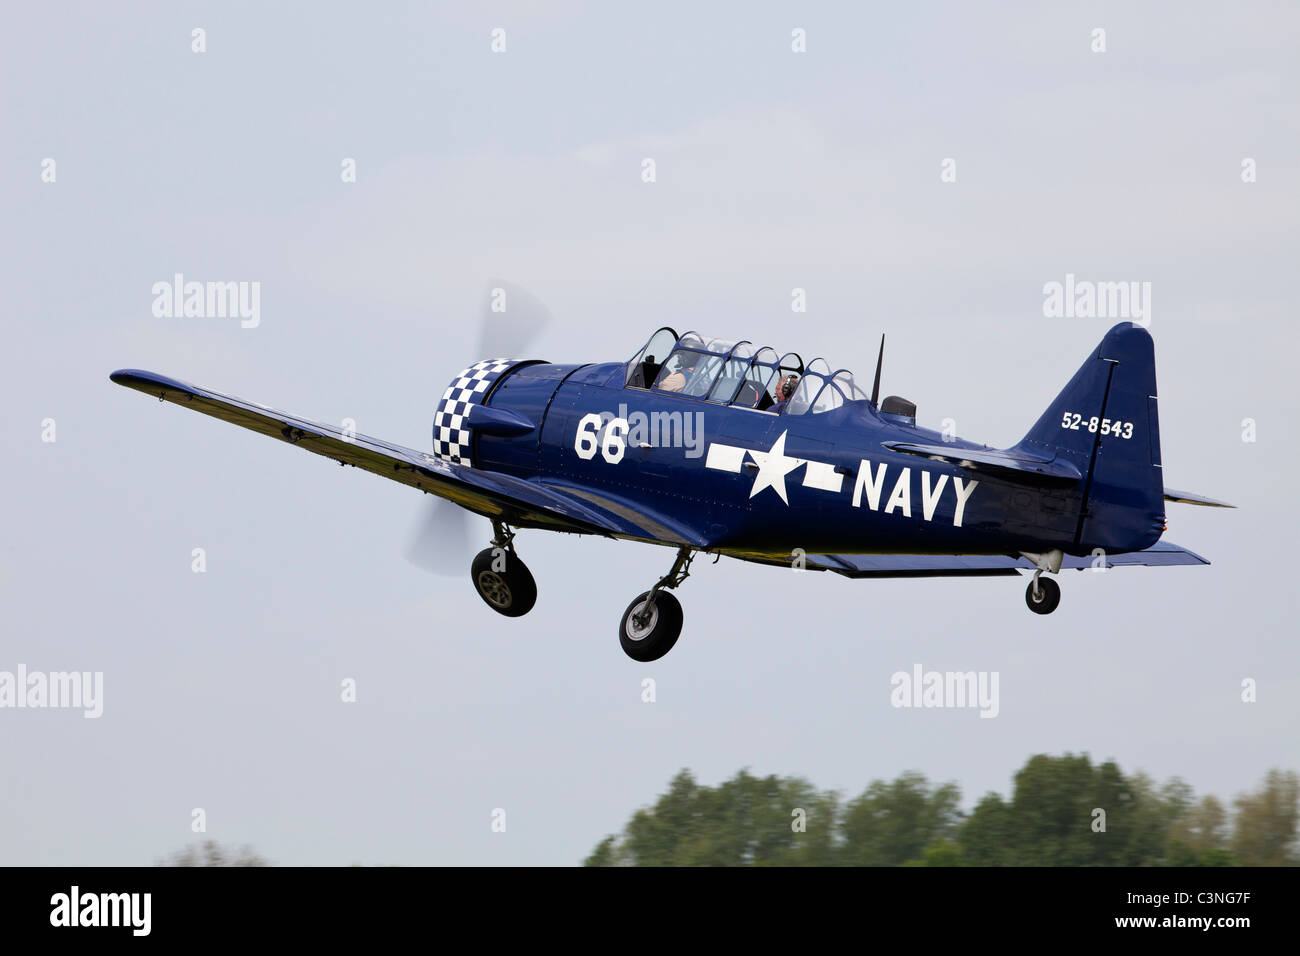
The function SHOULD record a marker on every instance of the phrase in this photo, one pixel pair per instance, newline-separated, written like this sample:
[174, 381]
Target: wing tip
[133, 376]
[141, 380]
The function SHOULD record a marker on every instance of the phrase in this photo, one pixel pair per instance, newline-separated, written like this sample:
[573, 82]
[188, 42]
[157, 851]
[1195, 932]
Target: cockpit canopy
[739, 374]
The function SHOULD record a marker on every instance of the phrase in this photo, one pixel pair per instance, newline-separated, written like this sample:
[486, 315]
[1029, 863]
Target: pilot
[784, 392]
[676, 381]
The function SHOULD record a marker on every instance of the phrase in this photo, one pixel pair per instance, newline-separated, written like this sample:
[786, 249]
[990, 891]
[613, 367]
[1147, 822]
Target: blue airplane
[726, 448]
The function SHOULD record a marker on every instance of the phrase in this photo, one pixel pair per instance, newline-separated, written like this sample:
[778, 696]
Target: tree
[604, 855]
[892, 823]
[1264, 831]
[744, 821]
[943, 853]
[988, 838]
[210, 853]
[1052, 805]
[1200, 836]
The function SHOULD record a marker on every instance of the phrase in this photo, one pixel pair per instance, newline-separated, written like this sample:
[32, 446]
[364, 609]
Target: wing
[488, 493]
[1161, 554]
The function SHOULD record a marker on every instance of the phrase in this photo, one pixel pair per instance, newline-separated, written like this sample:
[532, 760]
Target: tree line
[1062, 811]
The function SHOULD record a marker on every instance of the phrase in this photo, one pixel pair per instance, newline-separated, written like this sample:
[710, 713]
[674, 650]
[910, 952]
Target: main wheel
[1049, 595]
[503, 582]
[648, 632]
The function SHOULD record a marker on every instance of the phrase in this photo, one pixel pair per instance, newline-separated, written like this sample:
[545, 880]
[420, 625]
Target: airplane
[725, 448]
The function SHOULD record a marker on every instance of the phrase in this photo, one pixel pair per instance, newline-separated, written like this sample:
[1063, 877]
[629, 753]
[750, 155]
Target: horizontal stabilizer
[1160, 555]
[1017, 466]
[1187, 498]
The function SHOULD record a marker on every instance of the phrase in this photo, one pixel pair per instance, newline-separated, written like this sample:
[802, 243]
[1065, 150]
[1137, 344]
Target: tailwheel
[650, 626]
[1042, 596]
[503, 581]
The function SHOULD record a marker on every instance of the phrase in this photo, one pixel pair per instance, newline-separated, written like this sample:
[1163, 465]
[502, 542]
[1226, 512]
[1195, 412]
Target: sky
[775, 170]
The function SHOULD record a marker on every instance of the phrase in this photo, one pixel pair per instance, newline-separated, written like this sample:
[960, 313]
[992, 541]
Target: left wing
[486, 492]
[1161, 554]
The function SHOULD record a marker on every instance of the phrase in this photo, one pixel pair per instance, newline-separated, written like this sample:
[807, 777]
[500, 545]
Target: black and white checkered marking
[451, 439]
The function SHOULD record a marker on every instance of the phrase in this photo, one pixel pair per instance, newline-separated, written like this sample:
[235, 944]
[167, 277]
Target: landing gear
[503, 581]
[1042, 596]
[650, 628]
[653, 621]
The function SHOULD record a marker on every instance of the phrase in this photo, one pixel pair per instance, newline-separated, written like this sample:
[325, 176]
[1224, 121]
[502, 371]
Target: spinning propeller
[509, 323]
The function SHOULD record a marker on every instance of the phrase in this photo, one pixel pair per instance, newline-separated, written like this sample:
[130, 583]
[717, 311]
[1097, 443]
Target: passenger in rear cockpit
[784, 392]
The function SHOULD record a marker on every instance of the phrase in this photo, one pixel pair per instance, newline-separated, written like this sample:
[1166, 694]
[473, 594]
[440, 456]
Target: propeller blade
[440, 541]
[511, 321]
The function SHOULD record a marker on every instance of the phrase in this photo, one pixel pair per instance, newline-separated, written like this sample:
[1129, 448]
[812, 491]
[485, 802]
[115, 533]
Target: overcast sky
[774, 170]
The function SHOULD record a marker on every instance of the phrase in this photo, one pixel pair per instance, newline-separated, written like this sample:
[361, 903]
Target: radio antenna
[875, 389]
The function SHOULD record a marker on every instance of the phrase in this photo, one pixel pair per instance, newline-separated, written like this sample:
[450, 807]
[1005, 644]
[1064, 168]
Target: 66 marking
[1119, 429]
[594, 432]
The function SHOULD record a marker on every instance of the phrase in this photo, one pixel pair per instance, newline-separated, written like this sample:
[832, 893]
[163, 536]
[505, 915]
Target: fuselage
[766, 483]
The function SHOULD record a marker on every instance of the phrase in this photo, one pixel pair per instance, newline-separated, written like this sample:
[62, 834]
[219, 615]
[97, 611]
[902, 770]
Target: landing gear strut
[653, 621]
[1042, 596]
[503, 581]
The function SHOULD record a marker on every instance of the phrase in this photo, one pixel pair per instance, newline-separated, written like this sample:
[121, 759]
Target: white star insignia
[773, 466]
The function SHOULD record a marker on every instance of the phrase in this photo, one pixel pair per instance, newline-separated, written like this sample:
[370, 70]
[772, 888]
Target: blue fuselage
[745, 480]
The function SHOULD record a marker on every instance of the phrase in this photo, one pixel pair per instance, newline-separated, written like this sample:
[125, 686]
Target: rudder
[1105, 421]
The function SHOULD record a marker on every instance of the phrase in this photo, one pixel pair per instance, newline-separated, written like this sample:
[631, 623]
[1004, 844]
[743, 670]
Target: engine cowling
[453, 422]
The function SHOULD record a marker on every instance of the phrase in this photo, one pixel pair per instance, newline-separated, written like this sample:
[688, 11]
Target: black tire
[511, 592]
[657, 637]
[1049, 596]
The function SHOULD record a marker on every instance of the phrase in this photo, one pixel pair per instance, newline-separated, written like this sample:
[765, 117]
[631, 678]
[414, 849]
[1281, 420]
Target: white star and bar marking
[870, 487]
[773, 466]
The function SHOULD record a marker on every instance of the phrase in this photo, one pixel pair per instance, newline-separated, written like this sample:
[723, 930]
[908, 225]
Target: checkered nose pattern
[451, 438]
